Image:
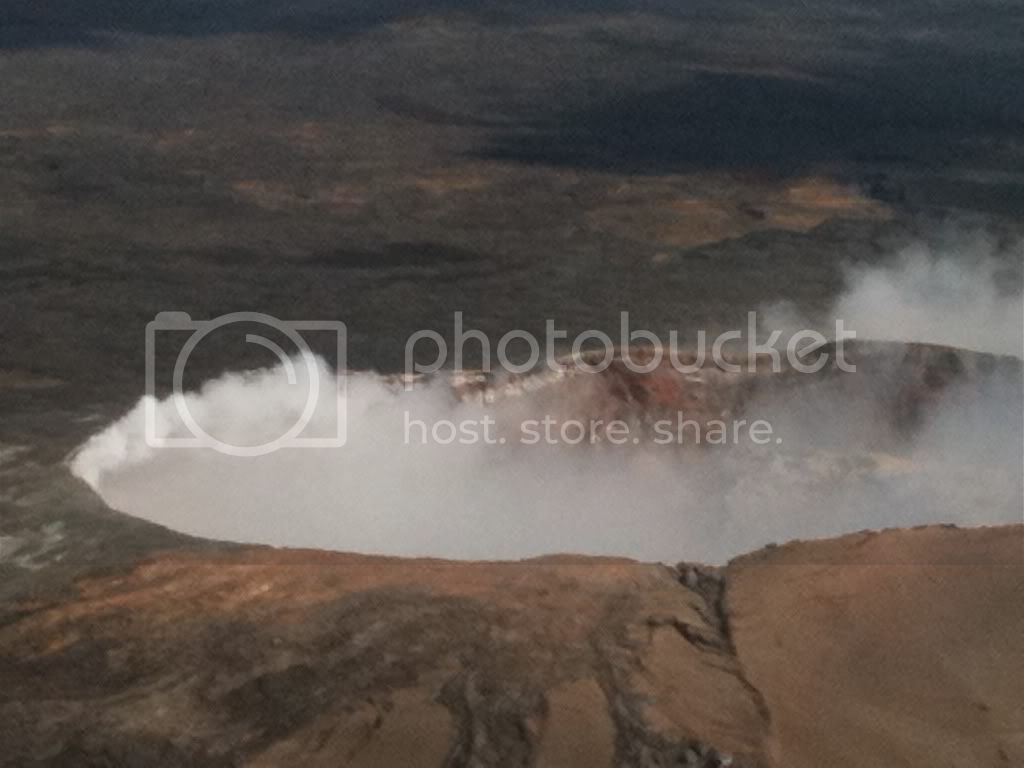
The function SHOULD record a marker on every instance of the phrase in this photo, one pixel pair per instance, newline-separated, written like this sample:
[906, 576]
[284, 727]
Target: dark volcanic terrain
[387, 163]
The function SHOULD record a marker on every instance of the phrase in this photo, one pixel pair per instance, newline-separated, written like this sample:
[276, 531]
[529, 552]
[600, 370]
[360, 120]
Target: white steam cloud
[969, 300]
[840, 465]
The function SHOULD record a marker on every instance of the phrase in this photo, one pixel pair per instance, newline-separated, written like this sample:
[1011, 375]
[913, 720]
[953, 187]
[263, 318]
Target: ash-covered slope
[830, 653]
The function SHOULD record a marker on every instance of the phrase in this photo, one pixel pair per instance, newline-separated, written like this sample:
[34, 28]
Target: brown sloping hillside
[851, 652]
[901, 648]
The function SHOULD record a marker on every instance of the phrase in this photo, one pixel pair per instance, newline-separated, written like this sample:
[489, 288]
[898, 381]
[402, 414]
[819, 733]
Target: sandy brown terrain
[832, 653]
[868, 655]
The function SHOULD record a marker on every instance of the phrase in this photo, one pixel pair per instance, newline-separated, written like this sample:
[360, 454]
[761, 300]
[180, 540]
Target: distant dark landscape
[390, 161]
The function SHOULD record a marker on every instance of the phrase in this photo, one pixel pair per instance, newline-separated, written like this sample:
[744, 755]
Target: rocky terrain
[849, 652]
[389, 166]
[388, 163]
